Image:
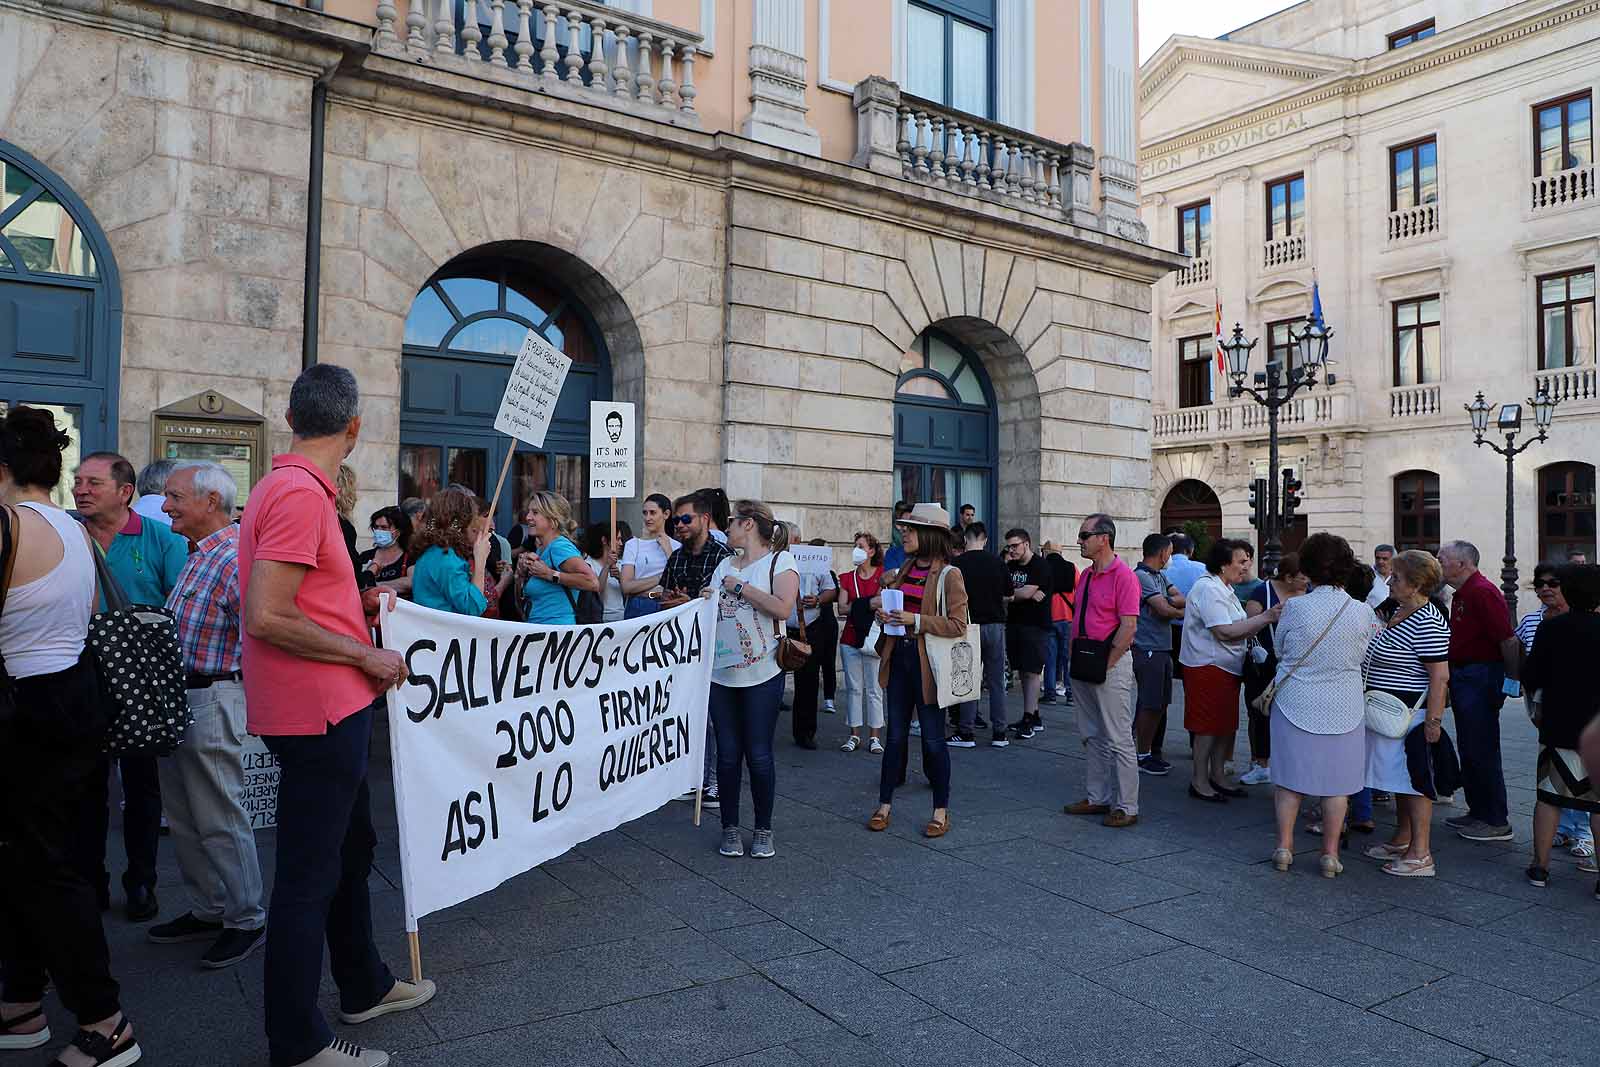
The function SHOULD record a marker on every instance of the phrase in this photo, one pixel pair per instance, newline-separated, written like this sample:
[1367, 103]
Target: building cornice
[1375, 73]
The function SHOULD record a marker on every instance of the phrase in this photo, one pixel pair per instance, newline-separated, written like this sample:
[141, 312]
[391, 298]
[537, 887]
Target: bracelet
[1433, 722]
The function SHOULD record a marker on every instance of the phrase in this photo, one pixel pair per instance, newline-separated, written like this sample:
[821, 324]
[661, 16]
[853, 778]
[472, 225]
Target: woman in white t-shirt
[756, 589]
[601, 561]
[645, 557]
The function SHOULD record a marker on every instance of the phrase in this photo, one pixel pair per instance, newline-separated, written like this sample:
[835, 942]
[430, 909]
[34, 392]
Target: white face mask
[382, 538]
[858, 555]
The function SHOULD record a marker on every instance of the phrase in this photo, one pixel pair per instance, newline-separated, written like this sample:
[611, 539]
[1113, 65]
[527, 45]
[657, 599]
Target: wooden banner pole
[416, 956]
[504, 467]
[699, 795]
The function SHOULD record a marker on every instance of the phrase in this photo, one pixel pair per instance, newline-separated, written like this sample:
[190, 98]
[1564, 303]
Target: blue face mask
[382, 538]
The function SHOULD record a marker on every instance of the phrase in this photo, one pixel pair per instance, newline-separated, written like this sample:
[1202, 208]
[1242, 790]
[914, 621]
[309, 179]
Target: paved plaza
[1023, 937]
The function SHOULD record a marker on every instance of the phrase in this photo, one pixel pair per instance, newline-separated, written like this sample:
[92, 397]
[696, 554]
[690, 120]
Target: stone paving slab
[1023, 937]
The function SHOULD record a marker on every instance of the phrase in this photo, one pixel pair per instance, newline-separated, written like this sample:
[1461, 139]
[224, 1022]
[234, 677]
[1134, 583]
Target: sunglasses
[1084, 535]
[679, 520]
[1547, 583]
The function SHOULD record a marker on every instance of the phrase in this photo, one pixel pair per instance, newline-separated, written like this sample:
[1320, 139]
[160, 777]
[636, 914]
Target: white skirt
[1386, 760]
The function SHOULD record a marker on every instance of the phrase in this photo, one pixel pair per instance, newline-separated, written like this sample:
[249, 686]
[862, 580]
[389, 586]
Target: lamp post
[1272, 389]
[1509, 422]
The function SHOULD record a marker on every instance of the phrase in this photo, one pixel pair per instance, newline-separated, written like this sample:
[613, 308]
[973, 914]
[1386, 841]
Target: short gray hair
[323, 400]
[153, 479]
[1101, 523]
[210, 477]
[1460, 550]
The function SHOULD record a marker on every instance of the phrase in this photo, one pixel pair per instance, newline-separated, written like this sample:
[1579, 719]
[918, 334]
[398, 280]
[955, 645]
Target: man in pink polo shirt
[312, 682]
[1108, 614]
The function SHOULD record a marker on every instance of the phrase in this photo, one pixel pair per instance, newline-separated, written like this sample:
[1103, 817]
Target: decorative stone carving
[778, 78]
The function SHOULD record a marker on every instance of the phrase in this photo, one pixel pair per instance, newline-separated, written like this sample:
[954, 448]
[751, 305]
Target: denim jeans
[325, 845]
[637, 606]
[863, 696]
[211, 834]
[905, 700]
[1361, 806]
[1476, 698]
[1575, 824]
[1056, 658]
[746, 718]
[993, 649]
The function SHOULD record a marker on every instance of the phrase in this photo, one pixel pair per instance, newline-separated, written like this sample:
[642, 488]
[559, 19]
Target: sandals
[879, 822]
[851, 743]
[1404, 868]
[875, 747]
[11, 1040]
[105, 1051]
[1282, 859]
[1385, 851]
[936, 828]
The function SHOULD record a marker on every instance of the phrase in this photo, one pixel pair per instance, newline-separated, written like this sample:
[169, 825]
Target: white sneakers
[403, 997]
[344, 1053]
[1256, 775]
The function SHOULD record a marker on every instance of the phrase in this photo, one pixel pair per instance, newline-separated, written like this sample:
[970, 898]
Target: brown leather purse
[793, 652]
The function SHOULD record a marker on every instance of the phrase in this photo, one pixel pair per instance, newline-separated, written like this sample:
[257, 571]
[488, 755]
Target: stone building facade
[1434, 173]
[846, 295]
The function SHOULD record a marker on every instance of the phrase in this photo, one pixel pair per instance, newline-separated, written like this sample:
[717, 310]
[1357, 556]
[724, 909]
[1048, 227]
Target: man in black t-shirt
[1028, 623]
[988, 588]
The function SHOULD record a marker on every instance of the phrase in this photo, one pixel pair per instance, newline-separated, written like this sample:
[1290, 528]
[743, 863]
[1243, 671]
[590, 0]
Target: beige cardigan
[953, 623]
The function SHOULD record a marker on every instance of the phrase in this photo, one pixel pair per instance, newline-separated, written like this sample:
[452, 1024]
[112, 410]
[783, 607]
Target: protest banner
[529, 402]
[512, 743]
[259, 793]
[812, 559]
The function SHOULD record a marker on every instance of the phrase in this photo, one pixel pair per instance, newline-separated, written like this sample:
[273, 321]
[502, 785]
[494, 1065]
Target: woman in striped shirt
[904, 671]
[1409, 659]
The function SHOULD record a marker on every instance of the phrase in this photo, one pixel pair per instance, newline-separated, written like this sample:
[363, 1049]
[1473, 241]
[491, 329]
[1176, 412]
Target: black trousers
[50, 762]
[141, 822]
[825, 641]
[823, 637]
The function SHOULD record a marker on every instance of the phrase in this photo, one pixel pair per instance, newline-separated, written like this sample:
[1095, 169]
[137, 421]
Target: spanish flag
[1222, 365]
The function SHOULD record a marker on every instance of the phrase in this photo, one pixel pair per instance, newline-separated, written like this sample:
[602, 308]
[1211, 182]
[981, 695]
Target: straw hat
[927, 515]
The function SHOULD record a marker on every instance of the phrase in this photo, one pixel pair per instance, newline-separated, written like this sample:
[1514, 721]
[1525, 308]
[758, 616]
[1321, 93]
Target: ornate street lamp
[1273, 389]
[1508, 421]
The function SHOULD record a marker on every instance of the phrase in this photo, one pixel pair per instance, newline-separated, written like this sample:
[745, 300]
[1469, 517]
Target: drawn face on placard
[614, 426]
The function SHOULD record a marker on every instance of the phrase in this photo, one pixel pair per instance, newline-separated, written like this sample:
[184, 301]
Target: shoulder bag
[1260, 675]
[1389, 716]
[1090, 659]
[140, 664]
[860, 617]
[1263, 703]
[793, 652]
[10, 546]
[956, 663]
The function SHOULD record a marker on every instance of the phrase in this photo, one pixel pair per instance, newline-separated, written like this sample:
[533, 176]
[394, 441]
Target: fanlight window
[934, 369]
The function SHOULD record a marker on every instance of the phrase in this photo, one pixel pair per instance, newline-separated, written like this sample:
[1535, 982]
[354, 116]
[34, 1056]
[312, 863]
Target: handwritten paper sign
[610, 450]
[531, 393]
[812, 559]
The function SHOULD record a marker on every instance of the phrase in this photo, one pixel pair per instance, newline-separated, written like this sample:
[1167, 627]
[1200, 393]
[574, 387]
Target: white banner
[610, 450]
[529, 402]
[512, 743]
[259, 794]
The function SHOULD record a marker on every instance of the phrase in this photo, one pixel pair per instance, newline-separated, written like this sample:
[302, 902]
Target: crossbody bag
[1090, 659]
[793, 652]
[1263, 703]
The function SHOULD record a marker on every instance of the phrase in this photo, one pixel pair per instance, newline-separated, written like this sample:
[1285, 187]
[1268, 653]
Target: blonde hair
[773, 533]
[345, 497]
[554, 507]
[1420, 570]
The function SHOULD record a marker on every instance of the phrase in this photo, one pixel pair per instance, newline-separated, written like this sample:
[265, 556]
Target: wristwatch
[738, 590]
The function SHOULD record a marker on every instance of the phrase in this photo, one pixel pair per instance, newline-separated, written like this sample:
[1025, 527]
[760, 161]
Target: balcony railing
[1198, 272]
[1565, 188]
[1414, 402]
[573, 48]
[1285, 251]
[1411, 222]
[1245, 418]
[1568, 383]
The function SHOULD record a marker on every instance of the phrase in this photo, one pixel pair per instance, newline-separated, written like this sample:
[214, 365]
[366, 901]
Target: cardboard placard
[529, 402]
[611, 441]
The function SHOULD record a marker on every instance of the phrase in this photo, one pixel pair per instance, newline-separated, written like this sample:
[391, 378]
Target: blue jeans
[640, 605]
[746, 718]
[1056, 659]
[325, 844]
[1575, 824]
[1476, 698]
[904, 700]
[992, 638]
[1361, 806]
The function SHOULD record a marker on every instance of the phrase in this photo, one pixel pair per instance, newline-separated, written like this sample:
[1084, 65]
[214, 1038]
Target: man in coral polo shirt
[312, 680]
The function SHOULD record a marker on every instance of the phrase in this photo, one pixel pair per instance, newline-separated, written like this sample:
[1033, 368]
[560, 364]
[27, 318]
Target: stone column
[1080, 186]
[778, 78]
[877, 103]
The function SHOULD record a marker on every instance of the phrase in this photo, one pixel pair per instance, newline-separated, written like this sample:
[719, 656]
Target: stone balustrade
[1414, 402]
[1568, 383]
[1565, 188]
[1410, 222]
[1284, 251]
[573, 48]
[1318, 409]
[1198, 272]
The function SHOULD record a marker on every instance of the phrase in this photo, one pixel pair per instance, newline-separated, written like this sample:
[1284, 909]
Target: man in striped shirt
[204, 779]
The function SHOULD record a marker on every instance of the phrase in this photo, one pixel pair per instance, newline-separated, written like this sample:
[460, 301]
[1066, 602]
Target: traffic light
[1291, 494]
[1258, 503]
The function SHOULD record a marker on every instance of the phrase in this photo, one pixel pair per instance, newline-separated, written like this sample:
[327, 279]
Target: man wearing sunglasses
[688, 572]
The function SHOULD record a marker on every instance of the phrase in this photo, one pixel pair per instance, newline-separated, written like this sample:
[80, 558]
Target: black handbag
[1090, 659]
[1257, 676]
[140, 664]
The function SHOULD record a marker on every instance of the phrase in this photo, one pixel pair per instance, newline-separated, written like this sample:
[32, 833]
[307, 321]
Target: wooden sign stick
[416, 956]
[504, 467]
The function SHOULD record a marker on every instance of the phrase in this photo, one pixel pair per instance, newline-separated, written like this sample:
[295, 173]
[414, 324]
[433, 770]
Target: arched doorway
[945, 430]
[461, 336]
[60, 308]
[1192, 502]
[1566, 511]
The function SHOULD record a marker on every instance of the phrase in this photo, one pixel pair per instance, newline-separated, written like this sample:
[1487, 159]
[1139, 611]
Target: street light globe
[1544, 408]
[1236, 351]
[1478, 410]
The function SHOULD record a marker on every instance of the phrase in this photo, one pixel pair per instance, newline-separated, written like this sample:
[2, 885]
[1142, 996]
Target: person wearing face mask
[385, 561]
[645, 557]
[863, 697]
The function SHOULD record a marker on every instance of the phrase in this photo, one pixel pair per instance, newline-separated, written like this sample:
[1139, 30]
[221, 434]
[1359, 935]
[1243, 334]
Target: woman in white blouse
[645, 557]
[1319, 711]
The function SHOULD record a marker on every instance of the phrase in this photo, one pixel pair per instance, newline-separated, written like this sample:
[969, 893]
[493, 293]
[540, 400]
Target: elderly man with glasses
[1102, 633]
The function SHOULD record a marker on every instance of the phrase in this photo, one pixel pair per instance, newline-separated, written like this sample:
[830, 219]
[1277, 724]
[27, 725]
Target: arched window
[60, 317]
[1566, 511]
[945, 437]
[461, 336]
[1192, 507]
[1416, 511]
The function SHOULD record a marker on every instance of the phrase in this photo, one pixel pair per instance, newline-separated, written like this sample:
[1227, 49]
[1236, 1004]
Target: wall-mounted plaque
[210, 426]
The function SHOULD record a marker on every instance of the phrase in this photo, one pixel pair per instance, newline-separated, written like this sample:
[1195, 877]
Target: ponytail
[768, 528]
